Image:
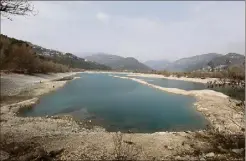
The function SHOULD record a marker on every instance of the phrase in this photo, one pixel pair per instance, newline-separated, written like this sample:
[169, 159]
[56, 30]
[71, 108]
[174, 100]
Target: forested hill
[20, 55]
[68, 59]
[118, 62]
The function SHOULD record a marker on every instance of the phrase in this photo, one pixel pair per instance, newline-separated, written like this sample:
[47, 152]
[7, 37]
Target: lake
[120, 105]
[169, 83]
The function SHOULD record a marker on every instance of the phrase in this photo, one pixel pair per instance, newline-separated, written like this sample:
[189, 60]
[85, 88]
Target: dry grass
[125, 149]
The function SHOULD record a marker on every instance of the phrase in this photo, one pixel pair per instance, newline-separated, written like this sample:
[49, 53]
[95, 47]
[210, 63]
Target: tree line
[231, 81]
[18, 56]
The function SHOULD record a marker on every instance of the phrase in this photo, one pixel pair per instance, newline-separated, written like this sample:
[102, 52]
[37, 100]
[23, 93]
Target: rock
[222, 149]
[26, 157]
[211, 154]
[237, 151]
[47, 116]
[202, 159]
[75, 130]
[37, 154]
[54, 153]
[178, 158]
[16, 148]
[128, 142]
[4, 155]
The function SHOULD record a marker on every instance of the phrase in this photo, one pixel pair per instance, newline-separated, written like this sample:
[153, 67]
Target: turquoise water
[169, 83]
[120, 105]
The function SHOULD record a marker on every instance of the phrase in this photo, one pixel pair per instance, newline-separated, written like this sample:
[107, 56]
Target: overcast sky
[145, 30]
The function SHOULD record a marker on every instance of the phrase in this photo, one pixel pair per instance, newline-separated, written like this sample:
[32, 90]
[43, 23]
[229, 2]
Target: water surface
[120, 105]
[171, 83]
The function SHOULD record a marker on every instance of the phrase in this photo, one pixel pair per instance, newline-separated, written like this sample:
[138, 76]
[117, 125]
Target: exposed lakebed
[121, 105]
[169, 83]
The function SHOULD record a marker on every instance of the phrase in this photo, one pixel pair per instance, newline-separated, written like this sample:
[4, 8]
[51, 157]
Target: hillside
[118, 62]
[230, 59]
[18, 54]
[157, 64]
[192, 63]
[68, 59]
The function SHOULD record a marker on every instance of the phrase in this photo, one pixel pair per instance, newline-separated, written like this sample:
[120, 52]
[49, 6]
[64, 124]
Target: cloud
[210, 30]
[164, 34]
[202, 5]
[102, 17]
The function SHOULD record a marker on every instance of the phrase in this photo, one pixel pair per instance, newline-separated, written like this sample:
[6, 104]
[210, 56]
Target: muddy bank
[62, 132]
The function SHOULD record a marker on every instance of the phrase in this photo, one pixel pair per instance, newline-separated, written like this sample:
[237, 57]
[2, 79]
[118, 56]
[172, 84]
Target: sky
[146, 30]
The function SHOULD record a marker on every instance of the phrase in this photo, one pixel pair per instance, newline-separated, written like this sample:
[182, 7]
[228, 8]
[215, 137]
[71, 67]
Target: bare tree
[10, 8]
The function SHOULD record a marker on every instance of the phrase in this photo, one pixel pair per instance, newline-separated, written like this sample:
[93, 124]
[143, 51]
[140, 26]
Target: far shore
[145, 75]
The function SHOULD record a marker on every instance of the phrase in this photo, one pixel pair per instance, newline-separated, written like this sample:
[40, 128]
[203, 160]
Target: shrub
[18, 56]
[125, 150]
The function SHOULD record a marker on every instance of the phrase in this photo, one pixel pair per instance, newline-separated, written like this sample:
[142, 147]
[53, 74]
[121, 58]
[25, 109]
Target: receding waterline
[121, 105]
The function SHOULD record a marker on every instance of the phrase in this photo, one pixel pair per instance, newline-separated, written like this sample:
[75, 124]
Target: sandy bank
[15, 84]
[198, 80]
[107, 72]
[131, 74]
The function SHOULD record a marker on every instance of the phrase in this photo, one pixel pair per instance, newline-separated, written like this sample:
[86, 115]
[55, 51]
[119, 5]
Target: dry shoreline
[62, 132]
[196, 80]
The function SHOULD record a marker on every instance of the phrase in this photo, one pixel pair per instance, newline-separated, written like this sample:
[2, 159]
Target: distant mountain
[118, 62]
[103, 58]
[157, 64]
[192, 63]
[229, 59]
[68, 59]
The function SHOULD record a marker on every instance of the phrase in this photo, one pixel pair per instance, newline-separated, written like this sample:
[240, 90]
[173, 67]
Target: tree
[17, 7]
[212, 66]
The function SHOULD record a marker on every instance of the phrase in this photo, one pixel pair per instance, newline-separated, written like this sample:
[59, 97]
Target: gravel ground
[62, 133]
[13, 84]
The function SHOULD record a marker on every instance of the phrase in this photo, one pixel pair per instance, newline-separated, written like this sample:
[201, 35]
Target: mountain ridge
[193, 62]
[203, 62]
[118, 62]
[56, 56]
[157, 64]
